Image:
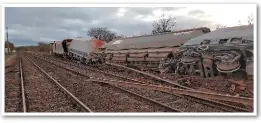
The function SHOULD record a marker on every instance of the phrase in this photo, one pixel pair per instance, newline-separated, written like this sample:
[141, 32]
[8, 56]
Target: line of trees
[164, 24]
[41, 47]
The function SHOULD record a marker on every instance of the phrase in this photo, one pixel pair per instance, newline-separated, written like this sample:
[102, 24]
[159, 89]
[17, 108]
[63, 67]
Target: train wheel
[165, 65]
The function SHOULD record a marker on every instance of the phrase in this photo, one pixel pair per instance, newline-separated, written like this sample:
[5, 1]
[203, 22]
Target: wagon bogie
[221, 52]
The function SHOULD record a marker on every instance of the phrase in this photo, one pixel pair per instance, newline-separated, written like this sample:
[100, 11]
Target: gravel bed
[130, 74]
[180, 103]
[13, 98]
[114, 70]
[99, 97]
[219, 84]
[199, 83]
[42, 95]
[111, 69]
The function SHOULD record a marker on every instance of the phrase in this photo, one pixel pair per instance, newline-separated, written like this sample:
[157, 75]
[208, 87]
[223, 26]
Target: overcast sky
[27, 26]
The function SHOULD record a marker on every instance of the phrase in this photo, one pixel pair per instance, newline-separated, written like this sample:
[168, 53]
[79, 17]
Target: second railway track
[216, 105]
[102, 98]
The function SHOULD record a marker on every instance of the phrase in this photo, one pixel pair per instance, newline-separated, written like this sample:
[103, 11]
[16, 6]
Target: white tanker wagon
[226, 51]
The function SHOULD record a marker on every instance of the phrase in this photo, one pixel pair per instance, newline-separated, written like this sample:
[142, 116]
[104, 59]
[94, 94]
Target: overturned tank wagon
[147, 51]
[226, 51]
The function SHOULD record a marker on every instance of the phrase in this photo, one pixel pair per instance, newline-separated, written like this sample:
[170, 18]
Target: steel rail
[84, 67]
[203, 95]
[22, 85]
[63, 88]
[169, 81]
[135, 80]
[150, 100]
[150, 75]
[208, 102]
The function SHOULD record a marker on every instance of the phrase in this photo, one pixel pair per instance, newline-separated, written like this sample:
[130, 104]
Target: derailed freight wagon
[60, 48]
[78, 49]
[226, 51]
[57, 48]
[148, 51]
[81, 49]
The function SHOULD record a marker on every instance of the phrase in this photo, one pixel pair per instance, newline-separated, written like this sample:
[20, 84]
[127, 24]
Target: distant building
[9, 47]
[7, 50]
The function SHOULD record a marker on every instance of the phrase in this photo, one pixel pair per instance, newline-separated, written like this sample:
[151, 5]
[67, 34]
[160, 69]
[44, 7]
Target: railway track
[22, 85]
[159, 93]
[47, 95]
[159, 107]
[202, 100]
[154, 79]
[159, 79]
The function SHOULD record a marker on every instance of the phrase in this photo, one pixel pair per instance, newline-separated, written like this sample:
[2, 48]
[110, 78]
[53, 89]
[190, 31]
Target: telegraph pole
[8, 48]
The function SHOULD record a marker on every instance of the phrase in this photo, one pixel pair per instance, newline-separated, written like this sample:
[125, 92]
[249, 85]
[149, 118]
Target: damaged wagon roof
[245, 32]
[159, 40]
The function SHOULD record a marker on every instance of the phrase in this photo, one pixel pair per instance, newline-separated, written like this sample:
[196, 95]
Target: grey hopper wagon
[148, 51]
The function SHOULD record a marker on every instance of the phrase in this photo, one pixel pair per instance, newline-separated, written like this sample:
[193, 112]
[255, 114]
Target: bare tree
[250, 19]
[102, 33]
[164, 24]
[218, 26]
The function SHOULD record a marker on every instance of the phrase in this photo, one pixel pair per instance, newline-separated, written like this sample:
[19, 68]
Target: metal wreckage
[198, 51]
[223, 52]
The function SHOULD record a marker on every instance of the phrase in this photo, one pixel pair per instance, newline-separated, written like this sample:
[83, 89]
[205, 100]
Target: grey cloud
[149, 10]
[128, 26]
[172, 8]
[140, 11]
[185, 22]
[196, 12]
[38, 24]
